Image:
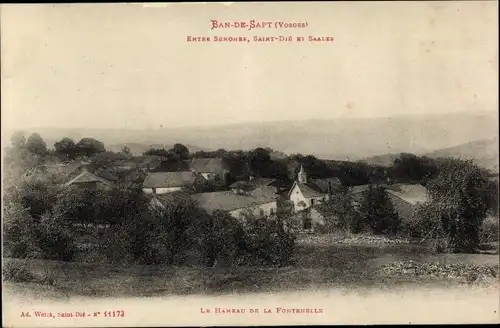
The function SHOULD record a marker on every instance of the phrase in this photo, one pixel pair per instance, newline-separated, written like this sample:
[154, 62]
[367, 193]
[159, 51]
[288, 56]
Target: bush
[488, 231]
[266, 241]
[116, 245]
[56, 238]
[17, 272]
[20, 231]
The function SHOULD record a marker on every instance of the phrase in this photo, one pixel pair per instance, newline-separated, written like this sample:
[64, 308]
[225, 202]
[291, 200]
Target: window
[312, 201]
[271, 211]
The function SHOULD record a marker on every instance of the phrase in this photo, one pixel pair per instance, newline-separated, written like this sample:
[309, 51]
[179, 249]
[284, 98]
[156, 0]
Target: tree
[411, 168]
[89, 147]
[458, 205]
[87, 205]
[57, 241]
[19, 230]
[258, 161]
[37, 193]
[181, 150]
[66, 147]
[221, 239]
[266, 240]
[36, 145]
[18, 140]
[31, 228]
[377, 211]
[178, 230]
[126, 151]
[339, 213]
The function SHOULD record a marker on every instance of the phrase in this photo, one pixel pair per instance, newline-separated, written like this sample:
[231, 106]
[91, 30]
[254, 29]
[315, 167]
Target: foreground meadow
[317, 266]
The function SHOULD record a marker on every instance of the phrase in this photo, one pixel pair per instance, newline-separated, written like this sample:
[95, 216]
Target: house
[210, 168]
[305, 194]
[89, 180]
[236, 203]
[165, 182]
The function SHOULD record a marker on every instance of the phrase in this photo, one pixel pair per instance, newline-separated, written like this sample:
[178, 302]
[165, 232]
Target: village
[176, 221]
[259, 195]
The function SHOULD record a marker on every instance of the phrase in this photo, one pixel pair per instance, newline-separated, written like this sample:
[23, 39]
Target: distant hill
[484, 153]
[338, 139]
[382, 160]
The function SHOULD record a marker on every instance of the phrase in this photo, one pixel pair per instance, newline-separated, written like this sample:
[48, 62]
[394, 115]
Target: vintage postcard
[211, 164]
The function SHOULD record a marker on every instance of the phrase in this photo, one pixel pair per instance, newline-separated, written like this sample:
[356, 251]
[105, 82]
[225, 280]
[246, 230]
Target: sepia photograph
[278, 163]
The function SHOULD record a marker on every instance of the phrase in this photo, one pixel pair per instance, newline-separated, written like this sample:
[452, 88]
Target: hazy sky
[97, 65]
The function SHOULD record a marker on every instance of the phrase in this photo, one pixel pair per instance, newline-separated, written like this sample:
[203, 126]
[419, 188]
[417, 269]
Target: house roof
[169, 179]
[324, 184]
[86, 177]
[265, 191]
[255, 183]
[176, 196]
[358, 189]
[317, 187]
[411, 193]
[206, 165]
[228, 200]
[404, 209]
[310, 190]
[63, 168]
[357, 192]
[126, 162]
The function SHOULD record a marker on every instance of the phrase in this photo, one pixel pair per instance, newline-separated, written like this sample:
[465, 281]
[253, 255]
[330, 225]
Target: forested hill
[483, 152]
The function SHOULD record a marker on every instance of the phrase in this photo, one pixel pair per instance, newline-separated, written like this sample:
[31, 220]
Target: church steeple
[302, 176]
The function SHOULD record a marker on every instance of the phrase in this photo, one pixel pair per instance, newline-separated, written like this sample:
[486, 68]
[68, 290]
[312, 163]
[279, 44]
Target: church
[306, 193]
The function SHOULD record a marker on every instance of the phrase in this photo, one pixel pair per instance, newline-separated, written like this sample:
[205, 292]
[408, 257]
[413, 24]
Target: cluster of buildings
[256, 195]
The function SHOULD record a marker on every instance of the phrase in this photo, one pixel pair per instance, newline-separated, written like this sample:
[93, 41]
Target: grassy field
[343, 267]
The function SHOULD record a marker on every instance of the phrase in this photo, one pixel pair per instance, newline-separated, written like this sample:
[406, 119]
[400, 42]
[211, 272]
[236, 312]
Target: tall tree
[36, 145]
[259, 161]
[411, 168]
[89, 147]
[378, 212]
[181, 150]
[66, 147]
[459, 203]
